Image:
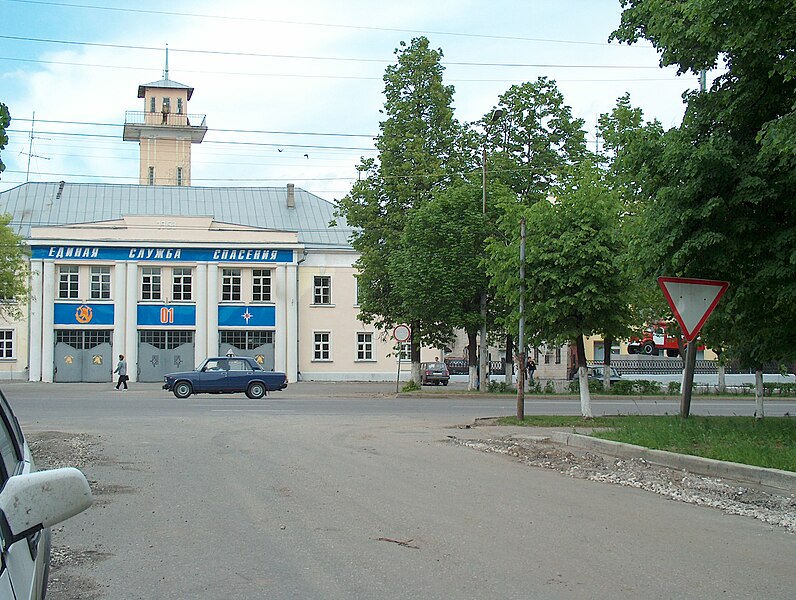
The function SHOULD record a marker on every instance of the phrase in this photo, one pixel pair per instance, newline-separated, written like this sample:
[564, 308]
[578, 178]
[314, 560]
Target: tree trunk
[472, 360]
[759, 413]
[607, 343]
[509, 362]
[688, 379]
[583, 379]
[721, 374]
[415, 353]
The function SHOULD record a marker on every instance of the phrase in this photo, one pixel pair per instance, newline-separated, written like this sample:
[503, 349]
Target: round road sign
[402, 333]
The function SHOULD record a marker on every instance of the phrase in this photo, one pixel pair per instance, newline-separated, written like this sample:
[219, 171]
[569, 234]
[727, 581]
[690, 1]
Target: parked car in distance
[226, 375]
[30, 503]
[434, 372]
[597, 372]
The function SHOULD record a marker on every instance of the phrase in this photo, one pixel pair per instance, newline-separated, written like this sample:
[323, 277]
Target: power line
[249, 19]
[323, 58]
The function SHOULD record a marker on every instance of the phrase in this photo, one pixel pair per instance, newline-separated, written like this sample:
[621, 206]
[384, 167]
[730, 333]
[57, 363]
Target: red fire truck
[654, 340]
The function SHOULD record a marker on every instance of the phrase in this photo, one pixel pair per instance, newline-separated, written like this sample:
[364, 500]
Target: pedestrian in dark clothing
[531, 368]
[121, 369]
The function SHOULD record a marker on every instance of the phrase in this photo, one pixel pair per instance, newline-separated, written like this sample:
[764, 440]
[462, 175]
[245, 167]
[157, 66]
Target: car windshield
[436, 366]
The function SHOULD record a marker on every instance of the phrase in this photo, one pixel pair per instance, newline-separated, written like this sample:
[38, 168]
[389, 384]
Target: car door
[19, 561]
[213, 377]
[239, 375]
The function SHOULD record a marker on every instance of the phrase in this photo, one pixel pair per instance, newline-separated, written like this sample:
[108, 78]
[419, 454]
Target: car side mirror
[42, 499]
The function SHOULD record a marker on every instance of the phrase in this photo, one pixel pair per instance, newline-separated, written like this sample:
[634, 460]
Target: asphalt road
[346, 492]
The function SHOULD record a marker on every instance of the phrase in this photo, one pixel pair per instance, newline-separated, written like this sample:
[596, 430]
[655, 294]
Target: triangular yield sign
[692, 301]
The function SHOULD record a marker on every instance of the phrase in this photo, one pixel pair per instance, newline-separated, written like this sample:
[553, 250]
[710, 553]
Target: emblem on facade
[69, 359]
[155, 361]
[83, 314]
[96, 359]
[246, 316]
[177, 361]
[260, 359]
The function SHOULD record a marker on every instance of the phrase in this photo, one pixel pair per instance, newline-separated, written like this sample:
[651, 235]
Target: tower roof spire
[166, 70]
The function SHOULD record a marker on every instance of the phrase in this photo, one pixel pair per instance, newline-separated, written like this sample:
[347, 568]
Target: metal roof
[59, 203]
[164, 84]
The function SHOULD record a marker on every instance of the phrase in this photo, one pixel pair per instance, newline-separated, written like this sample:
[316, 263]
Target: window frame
[71, 281]
[102, 274]
[182, 279]
[8, 344]
[262, 285]
[322, 290]
[152, 272]
[321, 349]
[229, 275]
[366, 349]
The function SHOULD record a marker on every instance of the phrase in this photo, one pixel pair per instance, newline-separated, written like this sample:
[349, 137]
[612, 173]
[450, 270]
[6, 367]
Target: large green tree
[14, 271]
[574, 281]
[720, 187]
[417, 153]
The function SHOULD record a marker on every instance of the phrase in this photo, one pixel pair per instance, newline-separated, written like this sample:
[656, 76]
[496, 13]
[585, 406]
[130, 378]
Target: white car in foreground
[30, 503]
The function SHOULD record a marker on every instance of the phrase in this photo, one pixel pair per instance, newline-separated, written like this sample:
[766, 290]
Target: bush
[500, 387]
[536, 388]
[673, 387]
[549, 388]
[644, 386]
[410, 386]
[623, 387]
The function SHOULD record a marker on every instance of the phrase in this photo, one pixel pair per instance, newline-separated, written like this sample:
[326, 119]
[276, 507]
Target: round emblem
[83, 314]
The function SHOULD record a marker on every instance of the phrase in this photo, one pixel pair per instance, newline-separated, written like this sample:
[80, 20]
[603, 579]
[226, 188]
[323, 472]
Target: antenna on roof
[166, 70]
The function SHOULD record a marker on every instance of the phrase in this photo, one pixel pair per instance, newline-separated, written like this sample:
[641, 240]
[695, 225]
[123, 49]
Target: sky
[291, 90]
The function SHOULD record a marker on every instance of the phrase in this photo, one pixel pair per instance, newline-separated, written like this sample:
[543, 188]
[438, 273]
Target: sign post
[691, 301]
[401, 333]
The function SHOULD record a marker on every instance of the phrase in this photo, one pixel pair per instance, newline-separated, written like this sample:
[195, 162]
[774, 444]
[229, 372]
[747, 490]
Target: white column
[200, 334]
[131, 322]
[212, 310]
[291, 322]
[119, 311]
[34, 322]
[281, 337]
[47, 330]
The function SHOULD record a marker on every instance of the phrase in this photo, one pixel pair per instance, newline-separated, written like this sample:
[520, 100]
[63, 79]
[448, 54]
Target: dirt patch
[52, 450]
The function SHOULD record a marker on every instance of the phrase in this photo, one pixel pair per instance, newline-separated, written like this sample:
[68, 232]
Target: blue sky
[313, 89]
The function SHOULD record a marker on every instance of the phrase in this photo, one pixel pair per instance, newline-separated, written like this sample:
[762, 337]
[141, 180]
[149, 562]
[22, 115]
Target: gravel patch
[768, 506]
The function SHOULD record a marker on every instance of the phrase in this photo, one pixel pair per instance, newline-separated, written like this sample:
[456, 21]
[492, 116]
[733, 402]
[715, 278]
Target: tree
[574, 283]
[14, 271]
[417, 152]
[5, 121]
[439, 270]
[721, 186]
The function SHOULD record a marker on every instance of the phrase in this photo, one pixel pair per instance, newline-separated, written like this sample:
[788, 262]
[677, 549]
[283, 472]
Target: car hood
[181, 374]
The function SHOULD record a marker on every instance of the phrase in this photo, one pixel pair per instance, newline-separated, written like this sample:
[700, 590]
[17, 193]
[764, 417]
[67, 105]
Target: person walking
[121, 369]
[531, 370]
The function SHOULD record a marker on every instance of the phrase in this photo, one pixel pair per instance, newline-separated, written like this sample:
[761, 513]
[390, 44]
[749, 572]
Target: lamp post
[483, 364]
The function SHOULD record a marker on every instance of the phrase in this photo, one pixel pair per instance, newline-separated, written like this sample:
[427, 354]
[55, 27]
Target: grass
[769, 442]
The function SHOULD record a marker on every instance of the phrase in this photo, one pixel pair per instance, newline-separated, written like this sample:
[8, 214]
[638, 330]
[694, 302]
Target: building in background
[168, 274]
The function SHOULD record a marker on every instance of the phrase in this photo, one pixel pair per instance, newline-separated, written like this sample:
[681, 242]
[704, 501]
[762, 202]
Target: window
[558, 355]
[322, 346]
[152, 104]
[150, 283]
[67, 282]
[165, 340]
[181, 284]
[179, 106]
[179, 175]
[166, 105]
[261, 285]
[246, 340]
[151, 176]
[322, 290]
[230, 284]
[6, 343]
[406, 351]
[356, 291]
[100, 283]
[364, 346]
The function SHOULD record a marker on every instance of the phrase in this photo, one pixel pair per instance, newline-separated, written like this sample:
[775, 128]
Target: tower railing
[136, 117]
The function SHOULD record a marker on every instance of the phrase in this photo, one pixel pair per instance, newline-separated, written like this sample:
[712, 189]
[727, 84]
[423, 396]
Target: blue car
[226, 375]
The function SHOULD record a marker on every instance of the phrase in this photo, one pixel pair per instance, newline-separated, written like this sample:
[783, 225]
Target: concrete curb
[774, 478]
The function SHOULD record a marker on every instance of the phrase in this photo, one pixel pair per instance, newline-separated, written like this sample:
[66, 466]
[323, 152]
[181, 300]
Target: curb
[774, 478]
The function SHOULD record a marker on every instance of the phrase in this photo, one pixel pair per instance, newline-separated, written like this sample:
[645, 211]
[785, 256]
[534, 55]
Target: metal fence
[671, 366]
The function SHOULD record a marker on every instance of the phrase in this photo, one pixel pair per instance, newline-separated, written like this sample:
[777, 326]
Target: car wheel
[256, 391]
[648, 348]
[183, 389]
[444, 383]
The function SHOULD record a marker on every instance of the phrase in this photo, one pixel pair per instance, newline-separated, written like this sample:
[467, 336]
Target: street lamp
[483, 368]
